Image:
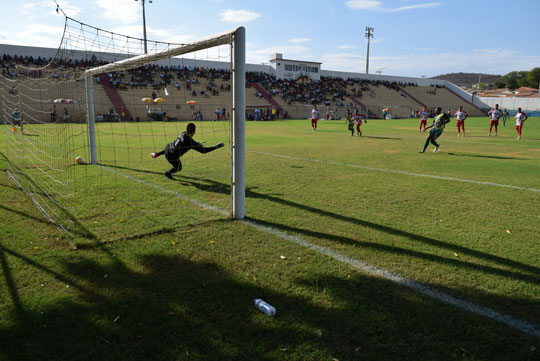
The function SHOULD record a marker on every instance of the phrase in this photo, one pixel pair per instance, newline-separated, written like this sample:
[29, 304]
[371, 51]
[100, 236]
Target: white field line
[398, 171]
[526, 327]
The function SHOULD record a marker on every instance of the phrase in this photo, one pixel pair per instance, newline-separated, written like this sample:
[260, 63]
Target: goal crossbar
[133, 62]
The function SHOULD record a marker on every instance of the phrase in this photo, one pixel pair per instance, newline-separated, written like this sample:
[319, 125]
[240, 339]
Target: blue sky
[411, 38]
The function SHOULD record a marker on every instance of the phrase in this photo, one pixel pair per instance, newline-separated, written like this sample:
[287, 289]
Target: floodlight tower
[144, 24]
[369, 34]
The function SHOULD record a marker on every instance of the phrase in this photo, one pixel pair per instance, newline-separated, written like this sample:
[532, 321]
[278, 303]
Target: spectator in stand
[495, 115]
[314, 117]
[53, 113]
[65, 115]
[218, 114]
[461, 115]
[154, 96]
[520, 118]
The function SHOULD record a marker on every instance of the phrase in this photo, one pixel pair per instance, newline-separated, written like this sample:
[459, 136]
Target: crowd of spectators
[9, 65]
[158, 77]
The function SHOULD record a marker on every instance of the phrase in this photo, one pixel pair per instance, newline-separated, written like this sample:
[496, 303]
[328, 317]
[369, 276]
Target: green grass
[159, 278]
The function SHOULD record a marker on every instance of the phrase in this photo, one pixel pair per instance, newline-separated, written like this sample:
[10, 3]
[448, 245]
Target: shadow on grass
[134, 169]
[172, 308]
[384, 138]
[485, 156]
[62, 217]
[532, 276]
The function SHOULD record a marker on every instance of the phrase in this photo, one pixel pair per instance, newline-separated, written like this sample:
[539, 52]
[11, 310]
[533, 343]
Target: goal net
[79, 130]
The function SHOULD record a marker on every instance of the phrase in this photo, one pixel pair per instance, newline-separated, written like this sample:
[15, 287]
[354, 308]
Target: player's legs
[496, 124]
[518, 128]
[358, 131]
[428, 139]
[491, 123]
[436, 134]
[176, 166]
[458, 123]
[422, 122]
[463, 127]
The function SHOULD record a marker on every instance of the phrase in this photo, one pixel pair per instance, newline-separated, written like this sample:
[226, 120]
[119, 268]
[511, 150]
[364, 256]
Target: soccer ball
[79, 160]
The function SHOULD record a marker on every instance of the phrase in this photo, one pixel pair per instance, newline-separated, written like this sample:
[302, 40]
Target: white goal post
[236, 38]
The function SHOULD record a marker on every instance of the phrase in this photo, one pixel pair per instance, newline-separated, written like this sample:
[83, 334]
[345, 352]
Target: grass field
[171, 279]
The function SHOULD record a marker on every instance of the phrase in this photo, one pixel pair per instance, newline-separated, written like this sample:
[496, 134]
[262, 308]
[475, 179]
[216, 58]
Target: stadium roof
[296, 61]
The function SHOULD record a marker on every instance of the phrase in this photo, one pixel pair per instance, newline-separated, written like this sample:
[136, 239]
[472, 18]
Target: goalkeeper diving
[178, 147]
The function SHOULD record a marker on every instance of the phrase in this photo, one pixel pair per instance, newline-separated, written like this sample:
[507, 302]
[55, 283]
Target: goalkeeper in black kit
[175, 149]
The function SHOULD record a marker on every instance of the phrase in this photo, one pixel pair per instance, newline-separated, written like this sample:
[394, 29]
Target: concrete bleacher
[175, 105]
[442, 97]
[404, 100]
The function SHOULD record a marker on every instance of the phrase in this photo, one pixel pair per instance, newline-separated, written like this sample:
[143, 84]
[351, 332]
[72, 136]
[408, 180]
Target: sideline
[398, 172]
[524, 326]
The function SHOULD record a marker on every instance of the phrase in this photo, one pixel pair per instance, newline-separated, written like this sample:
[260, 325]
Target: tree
[533, 78]
[513, 80]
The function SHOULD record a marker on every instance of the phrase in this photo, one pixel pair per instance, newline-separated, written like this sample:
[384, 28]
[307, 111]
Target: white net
[140, 103]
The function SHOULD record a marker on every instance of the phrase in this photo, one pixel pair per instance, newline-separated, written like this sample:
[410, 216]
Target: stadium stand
[119, 96]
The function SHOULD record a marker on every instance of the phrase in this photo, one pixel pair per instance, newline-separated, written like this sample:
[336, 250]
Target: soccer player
[16, 118]
[423, 118]
[175, 149]
[505, 116]
[495, 115]
[437, 129]
[314, 117]
[351, 125]
[218, 114]
[520, 118]
[357, 118]
[461, 115]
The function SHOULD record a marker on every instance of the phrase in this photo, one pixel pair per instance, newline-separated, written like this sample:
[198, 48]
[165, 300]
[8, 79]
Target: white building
[292, 69]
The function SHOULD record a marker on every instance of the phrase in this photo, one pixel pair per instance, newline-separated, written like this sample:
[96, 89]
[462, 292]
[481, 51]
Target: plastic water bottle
[265, 307]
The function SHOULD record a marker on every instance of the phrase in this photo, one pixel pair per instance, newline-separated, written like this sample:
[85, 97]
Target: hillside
[467, 79]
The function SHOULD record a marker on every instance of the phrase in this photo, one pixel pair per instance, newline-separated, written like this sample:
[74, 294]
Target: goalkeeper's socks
[425, 145]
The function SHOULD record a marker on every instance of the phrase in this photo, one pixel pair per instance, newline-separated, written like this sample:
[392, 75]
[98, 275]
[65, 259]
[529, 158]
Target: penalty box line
[398, 171]
[523, 326]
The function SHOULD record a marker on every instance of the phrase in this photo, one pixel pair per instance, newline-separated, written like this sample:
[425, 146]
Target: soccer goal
[79, 129]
